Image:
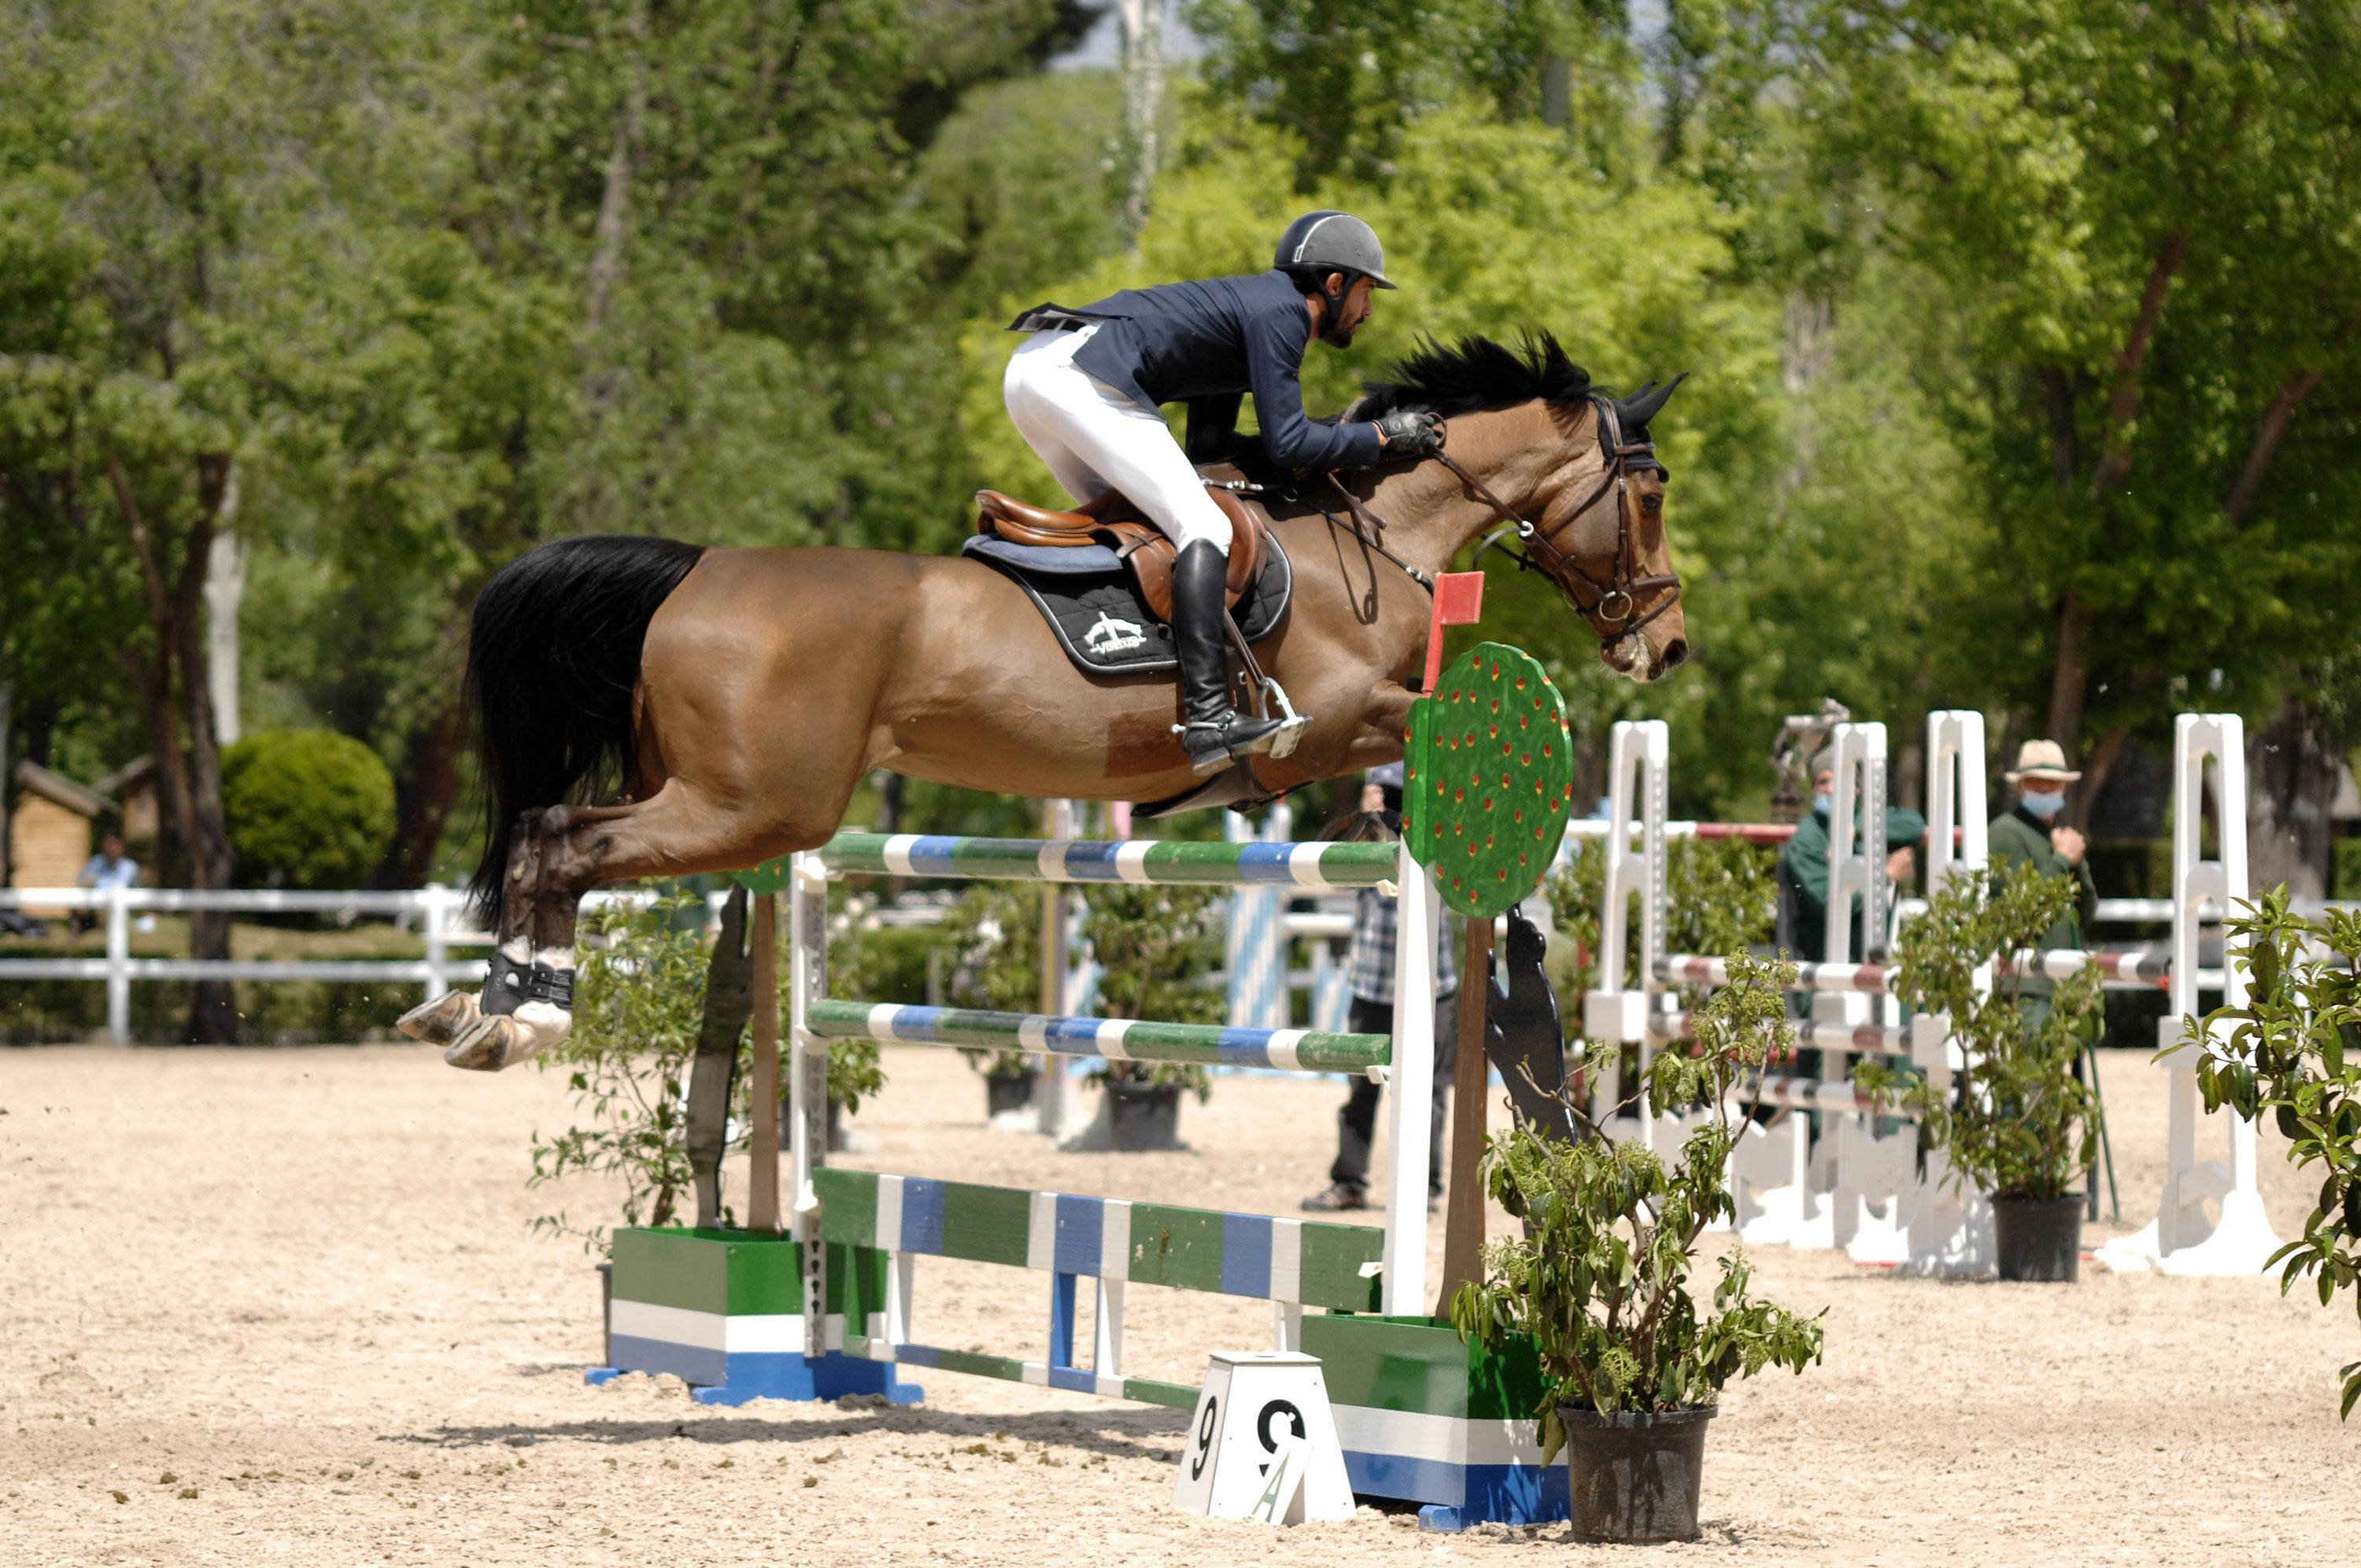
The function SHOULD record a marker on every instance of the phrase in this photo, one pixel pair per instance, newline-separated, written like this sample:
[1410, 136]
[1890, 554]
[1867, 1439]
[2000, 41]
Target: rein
[1613, 601]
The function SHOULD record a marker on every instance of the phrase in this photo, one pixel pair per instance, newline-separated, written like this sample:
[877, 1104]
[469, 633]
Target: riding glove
[1410, 433]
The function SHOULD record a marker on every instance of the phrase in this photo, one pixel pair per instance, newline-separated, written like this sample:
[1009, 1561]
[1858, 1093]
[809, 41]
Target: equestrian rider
[1085, 392]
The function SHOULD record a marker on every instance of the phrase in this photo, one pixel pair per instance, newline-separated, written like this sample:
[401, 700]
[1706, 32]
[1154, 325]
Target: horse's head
[1569, 474]
[1599, 536]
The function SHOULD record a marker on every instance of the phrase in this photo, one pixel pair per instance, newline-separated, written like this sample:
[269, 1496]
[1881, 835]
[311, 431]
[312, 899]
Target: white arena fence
[438, 912]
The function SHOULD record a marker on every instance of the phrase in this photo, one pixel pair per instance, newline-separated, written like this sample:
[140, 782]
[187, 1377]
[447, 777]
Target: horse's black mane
[1475, 373]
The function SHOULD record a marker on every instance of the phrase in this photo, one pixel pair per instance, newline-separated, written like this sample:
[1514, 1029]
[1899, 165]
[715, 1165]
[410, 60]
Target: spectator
[110, 868]
[2028, 835]
[1803, 869]
[1371, 974]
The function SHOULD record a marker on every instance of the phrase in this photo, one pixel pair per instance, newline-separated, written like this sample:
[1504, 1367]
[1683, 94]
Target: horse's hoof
[502, 1040]
[443, 1020]
[488, 1044]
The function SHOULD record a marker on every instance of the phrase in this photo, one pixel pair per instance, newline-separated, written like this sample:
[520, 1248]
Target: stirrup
[1290, 728]
[1213, 747]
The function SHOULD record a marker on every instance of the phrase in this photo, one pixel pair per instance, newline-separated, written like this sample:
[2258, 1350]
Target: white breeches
[1094, 439]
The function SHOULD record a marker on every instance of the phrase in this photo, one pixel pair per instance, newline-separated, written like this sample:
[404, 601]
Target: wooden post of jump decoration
[763, 885]
[1488, 783]
[762, 1193]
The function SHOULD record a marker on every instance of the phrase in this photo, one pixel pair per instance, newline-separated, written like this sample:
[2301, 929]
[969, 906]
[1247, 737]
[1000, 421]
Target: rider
[1084, 393]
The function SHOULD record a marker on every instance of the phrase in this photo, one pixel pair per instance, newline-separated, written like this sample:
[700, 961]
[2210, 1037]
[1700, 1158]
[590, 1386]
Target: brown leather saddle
[1111, 519]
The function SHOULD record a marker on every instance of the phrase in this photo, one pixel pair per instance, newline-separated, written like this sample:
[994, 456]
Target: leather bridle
[1615, 601]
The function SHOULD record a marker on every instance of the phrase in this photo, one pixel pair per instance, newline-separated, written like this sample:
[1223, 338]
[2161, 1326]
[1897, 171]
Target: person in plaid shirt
[1371, 975]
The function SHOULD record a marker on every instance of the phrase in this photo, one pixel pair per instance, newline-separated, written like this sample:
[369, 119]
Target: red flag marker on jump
[1458, 601]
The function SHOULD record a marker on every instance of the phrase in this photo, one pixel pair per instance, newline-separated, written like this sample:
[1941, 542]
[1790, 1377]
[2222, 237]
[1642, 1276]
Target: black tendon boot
[1215, 732]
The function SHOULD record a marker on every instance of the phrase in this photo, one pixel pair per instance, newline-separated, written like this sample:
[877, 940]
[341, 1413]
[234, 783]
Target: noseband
[1614, 601]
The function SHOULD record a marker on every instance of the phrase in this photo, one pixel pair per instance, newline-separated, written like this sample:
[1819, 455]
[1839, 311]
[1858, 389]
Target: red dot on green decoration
[1525, 760]
[1496, 669]
[1504, 872]
[1520, 814]
[1459, 795]
[1545, 749]
[1520, 683]
[1487, 802]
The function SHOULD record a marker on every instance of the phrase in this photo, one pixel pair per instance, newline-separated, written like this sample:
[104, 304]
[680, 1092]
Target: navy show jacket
[1207, 343]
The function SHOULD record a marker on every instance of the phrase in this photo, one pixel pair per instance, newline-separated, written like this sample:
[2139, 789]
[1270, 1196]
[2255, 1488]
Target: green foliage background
[307, 808]
[441, 281]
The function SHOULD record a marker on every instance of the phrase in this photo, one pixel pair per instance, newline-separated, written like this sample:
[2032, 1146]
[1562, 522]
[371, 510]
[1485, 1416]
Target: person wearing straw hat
[2029, 834]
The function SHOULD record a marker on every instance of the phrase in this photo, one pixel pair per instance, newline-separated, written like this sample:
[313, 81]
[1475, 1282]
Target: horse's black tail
[552, 659]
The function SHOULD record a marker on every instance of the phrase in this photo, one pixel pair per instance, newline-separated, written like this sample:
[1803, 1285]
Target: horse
[731, 701]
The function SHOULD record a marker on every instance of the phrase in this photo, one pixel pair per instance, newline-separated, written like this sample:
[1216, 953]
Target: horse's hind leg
[463, 1021]
[567, 851]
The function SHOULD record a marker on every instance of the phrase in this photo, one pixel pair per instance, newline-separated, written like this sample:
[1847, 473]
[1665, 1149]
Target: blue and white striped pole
[1331, 993]
[1254, 952]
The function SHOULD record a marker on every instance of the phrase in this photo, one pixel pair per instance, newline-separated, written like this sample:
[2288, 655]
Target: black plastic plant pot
[1143, 1116]
[1009, 1089]
[2039, 1240]
[1633, 1476]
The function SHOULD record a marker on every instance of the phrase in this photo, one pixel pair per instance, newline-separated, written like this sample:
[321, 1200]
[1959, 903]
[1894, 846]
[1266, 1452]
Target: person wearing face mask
[1803, 869]
[2029, 834]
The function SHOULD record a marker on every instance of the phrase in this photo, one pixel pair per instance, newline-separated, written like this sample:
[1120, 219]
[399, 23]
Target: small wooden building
[132, 789]
[53, 831]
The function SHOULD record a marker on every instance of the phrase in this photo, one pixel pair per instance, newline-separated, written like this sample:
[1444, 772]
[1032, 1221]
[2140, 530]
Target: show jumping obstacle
[1420, 1417]
[1854, 1187]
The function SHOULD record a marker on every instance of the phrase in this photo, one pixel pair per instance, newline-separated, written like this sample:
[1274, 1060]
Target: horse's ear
[1642, 406]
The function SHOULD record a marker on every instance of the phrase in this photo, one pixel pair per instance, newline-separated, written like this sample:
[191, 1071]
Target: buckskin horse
[729, 701]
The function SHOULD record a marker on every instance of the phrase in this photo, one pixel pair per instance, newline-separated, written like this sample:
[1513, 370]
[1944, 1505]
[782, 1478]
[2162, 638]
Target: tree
[2129, 223]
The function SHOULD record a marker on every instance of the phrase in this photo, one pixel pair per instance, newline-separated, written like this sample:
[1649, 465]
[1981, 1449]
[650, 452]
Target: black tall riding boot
[1213, 732]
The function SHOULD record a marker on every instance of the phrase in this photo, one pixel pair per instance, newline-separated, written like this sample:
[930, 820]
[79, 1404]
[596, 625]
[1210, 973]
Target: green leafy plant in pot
[1599, 1282]
[2293, 1051]
[1157, 946]
[2019, 1125]
[991, 937]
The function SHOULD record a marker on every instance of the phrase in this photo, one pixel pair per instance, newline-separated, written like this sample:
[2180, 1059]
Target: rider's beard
[1336, 334]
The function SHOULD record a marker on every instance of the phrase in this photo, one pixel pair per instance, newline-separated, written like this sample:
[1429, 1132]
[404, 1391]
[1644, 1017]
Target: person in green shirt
[1803, 890]
[2027, 834]
[1803, 868]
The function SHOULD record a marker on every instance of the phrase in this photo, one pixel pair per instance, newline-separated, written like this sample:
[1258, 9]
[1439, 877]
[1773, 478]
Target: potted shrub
[638, 1010]
[1157, 947]
[1598, 1284]
[2294, 1050]
[993, 939]
[2019, 1124]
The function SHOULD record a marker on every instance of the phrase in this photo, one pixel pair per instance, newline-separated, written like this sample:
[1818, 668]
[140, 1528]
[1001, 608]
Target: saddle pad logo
[1108, 635]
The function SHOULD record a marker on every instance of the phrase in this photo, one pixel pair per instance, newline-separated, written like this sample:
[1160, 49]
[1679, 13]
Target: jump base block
[722, 1310]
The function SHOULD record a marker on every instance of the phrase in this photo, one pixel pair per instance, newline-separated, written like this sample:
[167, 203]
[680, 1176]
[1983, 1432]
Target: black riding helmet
[1318, 244]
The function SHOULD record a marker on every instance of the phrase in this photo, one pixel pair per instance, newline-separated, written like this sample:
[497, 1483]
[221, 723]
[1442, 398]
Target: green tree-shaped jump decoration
[1487, 779]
